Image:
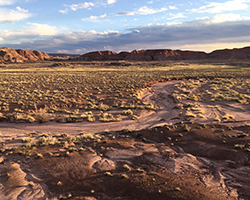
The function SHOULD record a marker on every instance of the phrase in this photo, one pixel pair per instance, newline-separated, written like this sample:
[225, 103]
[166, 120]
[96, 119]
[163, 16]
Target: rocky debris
[167, 54]
[8, 55]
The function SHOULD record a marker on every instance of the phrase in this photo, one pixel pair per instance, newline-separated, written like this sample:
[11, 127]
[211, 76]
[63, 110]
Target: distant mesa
[232, 54]
[100, 55]
[168, 54]
[144, 55]
[8, 55]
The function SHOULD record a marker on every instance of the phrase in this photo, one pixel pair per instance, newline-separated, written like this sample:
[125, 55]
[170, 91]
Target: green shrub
[30, 119]
[47, 140]
[127, 112]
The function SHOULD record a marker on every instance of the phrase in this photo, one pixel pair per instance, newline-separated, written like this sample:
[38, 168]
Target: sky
[79, 26]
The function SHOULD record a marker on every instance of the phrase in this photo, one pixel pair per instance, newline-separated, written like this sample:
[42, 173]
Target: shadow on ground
[181, 161]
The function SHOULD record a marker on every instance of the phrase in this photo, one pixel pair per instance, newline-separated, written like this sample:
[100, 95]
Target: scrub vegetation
[29, 94]
[189, 136]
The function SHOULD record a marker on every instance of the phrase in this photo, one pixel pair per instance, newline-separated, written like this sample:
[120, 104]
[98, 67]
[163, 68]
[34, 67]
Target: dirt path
[165, 113]
[161, 97]
[206, 161]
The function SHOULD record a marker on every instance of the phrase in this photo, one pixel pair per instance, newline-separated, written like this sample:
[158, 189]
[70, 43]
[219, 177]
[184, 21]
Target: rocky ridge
[8, 55]
[168, 54]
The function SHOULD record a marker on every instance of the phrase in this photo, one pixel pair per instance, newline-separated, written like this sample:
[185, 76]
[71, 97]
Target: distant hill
[168, 54]
[235, 54]
[8, 55]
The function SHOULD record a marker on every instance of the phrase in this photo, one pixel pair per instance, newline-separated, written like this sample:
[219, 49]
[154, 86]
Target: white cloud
[11, 16]
[21, 10]
[42, 29]
[86, 5]
[173, 8]
[214, 7]
[111, 1]
[141, 11]
[220, 18]
[75, 7]
[6, 2]
[34, 30]
[94, 17]
[176, 16]
[220, 29]
[144, 10]
[225, 18]
[63, 12]
[209, 47]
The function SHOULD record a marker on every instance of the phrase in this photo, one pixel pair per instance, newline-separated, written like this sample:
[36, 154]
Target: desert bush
[127, 112]
[47, 141]
[227, 116]
[39, 156]
[135, 117]
[187, 128]
[30, 119]
[91, 118]
[104, 107]
[189, 114]
[27, 139]
[217, 119]
[108, 117]
[41, 116]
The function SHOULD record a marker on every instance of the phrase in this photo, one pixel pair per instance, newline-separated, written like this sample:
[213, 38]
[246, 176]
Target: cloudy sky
[78, 26]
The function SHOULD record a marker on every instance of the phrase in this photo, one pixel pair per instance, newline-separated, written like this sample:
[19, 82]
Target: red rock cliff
[20, 55]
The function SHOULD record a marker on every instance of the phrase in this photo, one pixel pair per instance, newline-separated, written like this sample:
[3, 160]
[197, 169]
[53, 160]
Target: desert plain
[125, 129]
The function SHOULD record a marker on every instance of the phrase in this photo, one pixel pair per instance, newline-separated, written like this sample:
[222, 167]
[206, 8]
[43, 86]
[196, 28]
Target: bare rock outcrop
[9, 55]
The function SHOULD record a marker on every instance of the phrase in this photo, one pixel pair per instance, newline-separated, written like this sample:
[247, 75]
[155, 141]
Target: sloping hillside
[9, 55]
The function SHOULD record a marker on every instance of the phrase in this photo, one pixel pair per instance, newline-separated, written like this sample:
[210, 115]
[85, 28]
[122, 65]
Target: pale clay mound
[14, 184]
[222, 180]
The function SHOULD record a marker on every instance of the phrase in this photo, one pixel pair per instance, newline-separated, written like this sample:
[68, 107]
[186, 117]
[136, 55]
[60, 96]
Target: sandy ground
[222, 176]
[166, 169]
[165, 114]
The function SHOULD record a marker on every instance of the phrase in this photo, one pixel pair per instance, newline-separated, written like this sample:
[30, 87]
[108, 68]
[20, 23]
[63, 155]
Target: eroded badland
[125, 129]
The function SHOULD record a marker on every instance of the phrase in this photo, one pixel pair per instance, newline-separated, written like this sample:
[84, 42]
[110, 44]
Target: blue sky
[78, 26]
